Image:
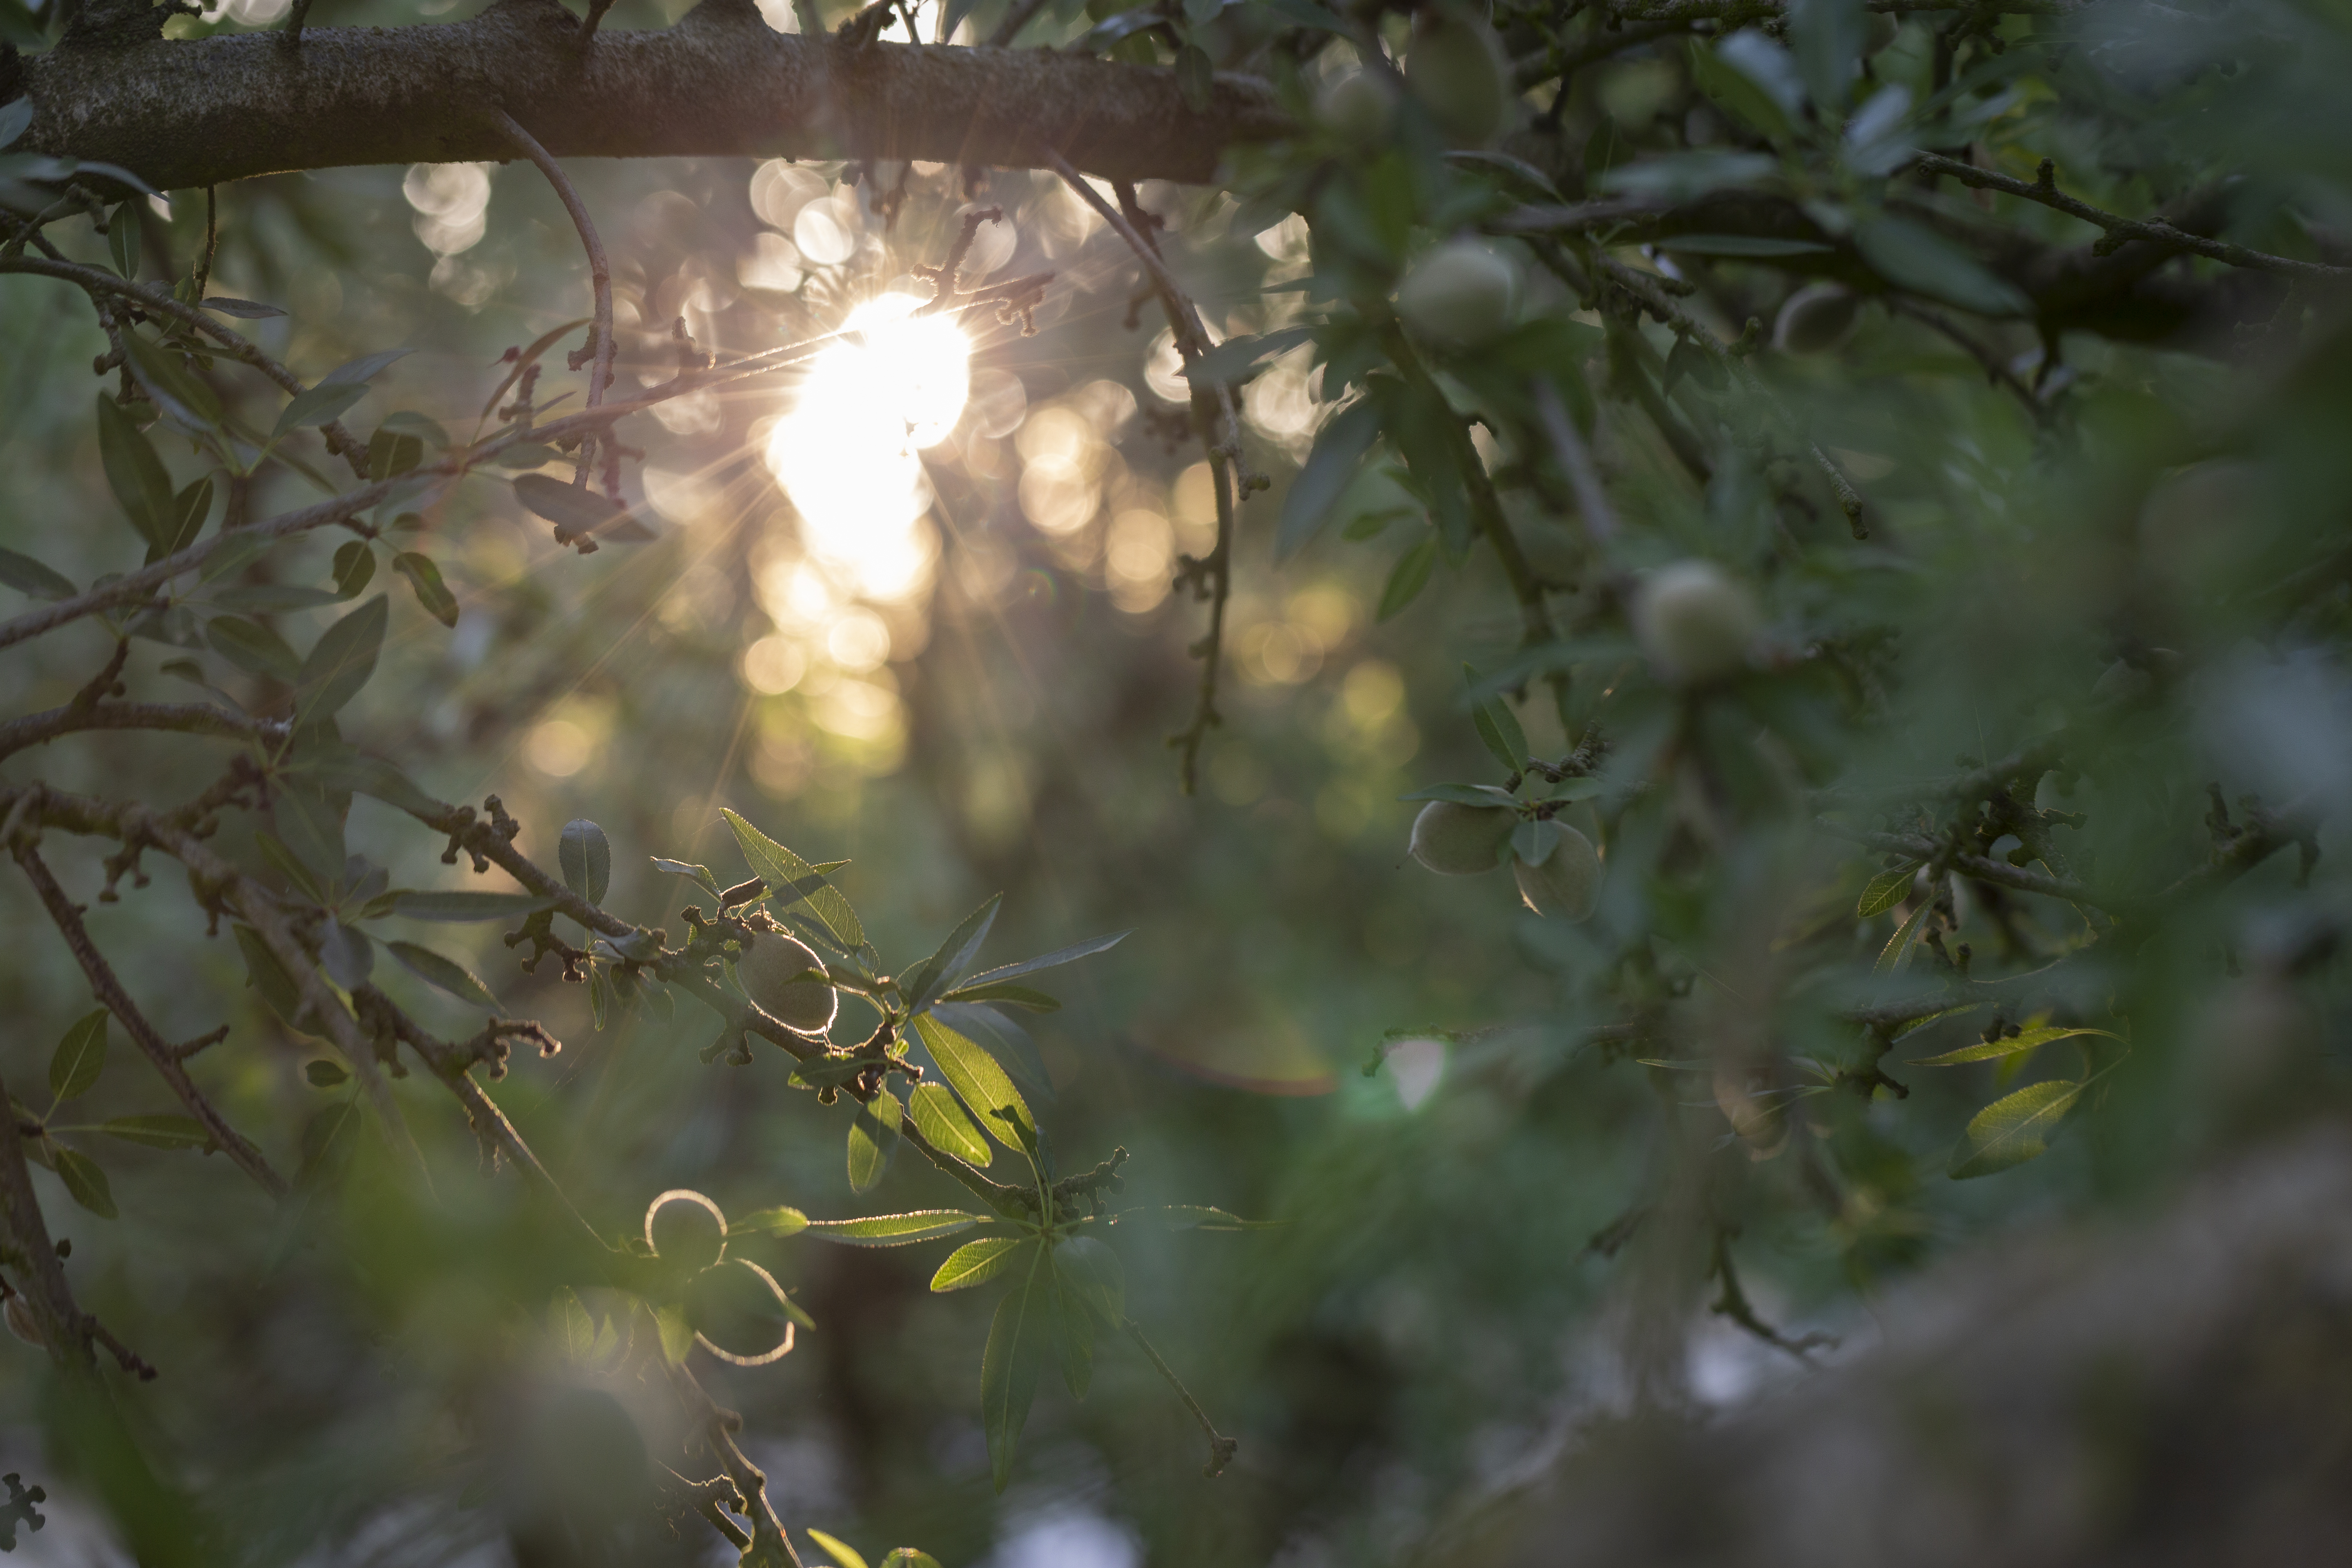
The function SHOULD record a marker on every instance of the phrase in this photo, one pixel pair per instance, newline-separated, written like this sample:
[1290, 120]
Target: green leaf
[1013, 995]
[1408, 577]
[1008, 1367]
[574, 511]
[1915, 258]
[460, 906]
[977, 1262]
[2011, 1131]
[1765, 105]
[17, 115]
[158, 370]
[341, 661]
[587, 858]
[346, 955]
[981, 1084]
[908, 1557]
[784, 872]
[1074, 1336]
[676, 1334]
[321, 405]
[324, 1074]
[134, 473]
[124, 233]
[922, 985]
[933, 1108]
[1002, 1038]
[80, 1057]
[873, 1139]
[1094, 1274]
[266, 975]
[27, 575]
[85, 1183]
[1338, 450]
[391, 452]
[366, 368]
[893, 1229]
[354, 567]
[2010, 1046]
[273, 598]
[1498, 727]
[1196, 83]
[189, 510]
[252, 647]
[306, 881]
[1896, 953]
[158, 1131]
[1053, 960]
[1887, 890]
[244, 310]
[779, 1222]
[687, 869]
[445, 973]
[431, 590]
[1234, 359]
[841, 1551]
[1193, 1217]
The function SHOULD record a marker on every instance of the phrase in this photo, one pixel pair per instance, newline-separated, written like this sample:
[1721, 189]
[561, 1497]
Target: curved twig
[599, 272]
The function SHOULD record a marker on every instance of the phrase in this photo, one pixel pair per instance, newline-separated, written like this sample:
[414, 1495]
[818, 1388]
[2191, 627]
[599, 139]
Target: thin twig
[1979, 867]
[769, 1546]
[1220, 1447]
[1998, 373]
[2117, 229]
[600, 275]
[1733, 1303]
[183, 718]
[596, 9]
[165, 1057]
[1592, 506]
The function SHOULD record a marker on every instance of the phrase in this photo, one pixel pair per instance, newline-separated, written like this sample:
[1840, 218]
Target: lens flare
[894, 383]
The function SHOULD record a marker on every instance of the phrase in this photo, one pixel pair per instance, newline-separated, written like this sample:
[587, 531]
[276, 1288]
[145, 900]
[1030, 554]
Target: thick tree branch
[719, 83]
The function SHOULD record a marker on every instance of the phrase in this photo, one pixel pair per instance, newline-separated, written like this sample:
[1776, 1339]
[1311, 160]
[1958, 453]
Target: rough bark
[719, 83]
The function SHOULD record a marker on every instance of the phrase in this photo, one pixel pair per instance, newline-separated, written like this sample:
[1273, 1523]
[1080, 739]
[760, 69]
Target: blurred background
[959, 674]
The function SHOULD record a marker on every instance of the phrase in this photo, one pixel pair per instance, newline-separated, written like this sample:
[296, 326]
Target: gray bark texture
[2177, 1392]
[719, 83]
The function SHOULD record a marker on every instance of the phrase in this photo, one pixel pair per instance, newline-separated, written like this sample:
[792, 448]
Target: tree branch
[719, 83]
[186, 718]
[160, 1053]
[599, 272]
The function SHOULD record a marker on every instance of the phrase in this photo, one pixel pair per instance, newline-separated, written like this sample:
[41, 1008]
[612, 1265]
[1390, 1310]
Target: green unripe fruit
[686, 1230]
[1460, 840]
[1878, 32]
[1694, 622]
[1566, 886]
[1457, 70]
[1358, 108]
[738, 1307]
[1460, 293]
[767, 971]
[1815, 320]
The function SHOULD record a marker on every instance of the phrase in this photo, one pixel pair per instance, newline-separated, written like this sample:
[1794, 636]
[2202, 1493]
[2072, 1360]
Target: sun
[896, 382]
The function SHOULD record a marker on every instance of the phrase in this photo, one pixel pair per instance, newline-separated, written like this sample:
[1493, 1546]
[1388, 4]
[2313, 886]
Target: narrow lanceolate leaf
[676, 1334]
[873, 1139]
[1339, 449]
[252, 647]
[1191, 1217]
[1497, 727]
[461, 906]
[572, 511]
[981, 1084]
[933, 1110]
[1059, 956]
[2024, 1040]
[778, 1222]
[1074, 1336]
[134, 472]
[1407, 578]
[27, 575]
[158, 1131]
[320, 406]
[977, 1262]
[587, 858]
[1896, 953]
[702, 875]
[791, 880]
[843, 1554]
[244, 310]
[431, 590]
[341, 660]
[1008, 1367]
[893, 1229]
[1006, 996]
[266, 975]
[1092, 1272]
[80, 1057]
[2011, 1131]
[85, 1183]
[1002, 1038]
[910, 1557]
[446, 973]
[1887, 890]
[942, 969]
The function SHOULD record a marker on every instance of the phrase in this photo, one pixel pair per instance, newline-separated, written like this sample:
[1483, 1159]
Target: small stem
[1220, 1447]
[600, 273]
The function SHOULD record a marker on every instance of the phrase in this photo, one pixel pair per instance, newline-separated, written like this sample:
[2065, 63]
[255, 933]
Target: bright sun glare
[846, 453]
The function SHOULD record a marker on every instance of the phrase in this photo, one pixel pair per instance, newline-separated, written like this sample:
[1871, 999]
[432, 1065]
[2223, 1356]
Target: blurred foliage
[1515, 1158]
